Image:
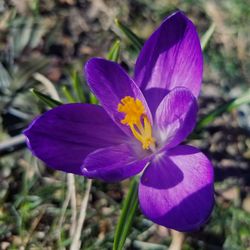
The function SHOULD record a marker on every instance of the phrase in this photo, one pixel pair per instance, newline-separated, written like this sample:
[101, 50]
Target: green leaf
[136, 41]
[127, 214]
[68, 95]
[206, 37]
[114, 52]
[46, 99]
[227, 107]
[78, 87]
[5, 78]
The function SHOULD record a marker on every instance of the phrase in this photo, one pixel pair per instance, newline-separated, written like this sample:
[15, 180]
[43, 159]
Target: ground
[55, 38]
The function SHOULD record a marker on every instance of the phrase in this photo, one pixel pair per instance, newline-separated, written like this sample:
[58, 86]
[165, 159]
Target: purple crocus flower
[139, 127]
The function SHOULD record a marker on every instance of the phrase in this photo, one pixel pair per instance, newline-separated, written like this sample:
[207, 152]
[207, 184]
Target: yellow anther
[137, 120]
[133, 109]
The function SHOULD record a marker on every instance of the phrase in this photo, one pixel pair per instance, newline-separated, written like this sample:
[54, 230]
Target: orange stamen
[137, 120]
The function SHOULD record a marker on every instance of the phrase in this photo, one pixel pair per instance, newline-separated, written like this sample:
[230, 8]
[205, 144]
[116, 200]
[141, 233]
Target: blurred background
[44, 45]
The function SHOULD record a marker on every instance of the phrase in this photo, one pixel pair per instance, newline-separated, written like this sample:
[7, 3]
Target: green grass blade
[21, 34]
[5, 78]
[133, 38]
[35, 7]
[127, 214]
[78, 87]
[68, 95]
[129, 220]
[114, 52]
[27, 71]
[46, 99]
[227, 107]
[36, 35]
[92, 98]
[206, 37]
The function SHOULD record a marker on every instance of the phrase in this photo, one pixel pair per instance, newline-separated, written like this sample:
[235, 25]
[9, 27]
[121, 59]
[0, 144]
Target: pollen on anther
[136, 118]
[132, 108]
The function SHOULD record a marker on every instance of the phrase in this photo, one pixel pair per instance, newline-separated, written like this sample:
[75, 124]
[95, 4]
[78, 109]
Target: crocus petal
[170, 58]
[176, 116]
[62, 137]
[176, 189]
[110, 83]
[113, 163]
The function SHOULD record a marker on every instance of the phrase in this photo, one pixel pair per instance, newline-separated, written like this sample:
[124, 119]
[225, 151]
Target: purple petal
[176, 189]
[176, 117]
[110, 83]
[64, 136]
[170, 58]
[113, 163]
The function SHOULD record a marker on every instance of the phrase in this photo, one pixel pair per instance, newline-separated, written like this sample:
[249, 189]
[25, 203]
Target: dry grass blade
[62, 216]
[178, 239]
[72, 191]
[12, 143]
[71, 195]
[76, 242]
[34, 226]
[48, 85]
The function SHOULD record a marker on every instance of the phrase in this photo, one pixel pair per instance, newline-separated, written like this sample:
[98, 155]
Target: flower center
[137, 120]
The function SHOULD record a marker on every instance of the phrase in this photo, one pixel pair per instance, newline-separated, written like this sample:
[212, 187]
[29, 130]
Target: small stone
[5, 245]
[231, 194]
[246, 204]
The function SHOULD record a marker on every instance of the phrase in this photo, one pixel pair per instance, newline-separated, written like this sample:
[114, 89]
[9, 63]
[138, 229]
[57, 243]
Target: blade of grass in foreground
[46, 99]
[227, 107]
[127, 215]
[206, 37]
[78, 87]
[114, 51]
[133, 38]
[68, 95]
